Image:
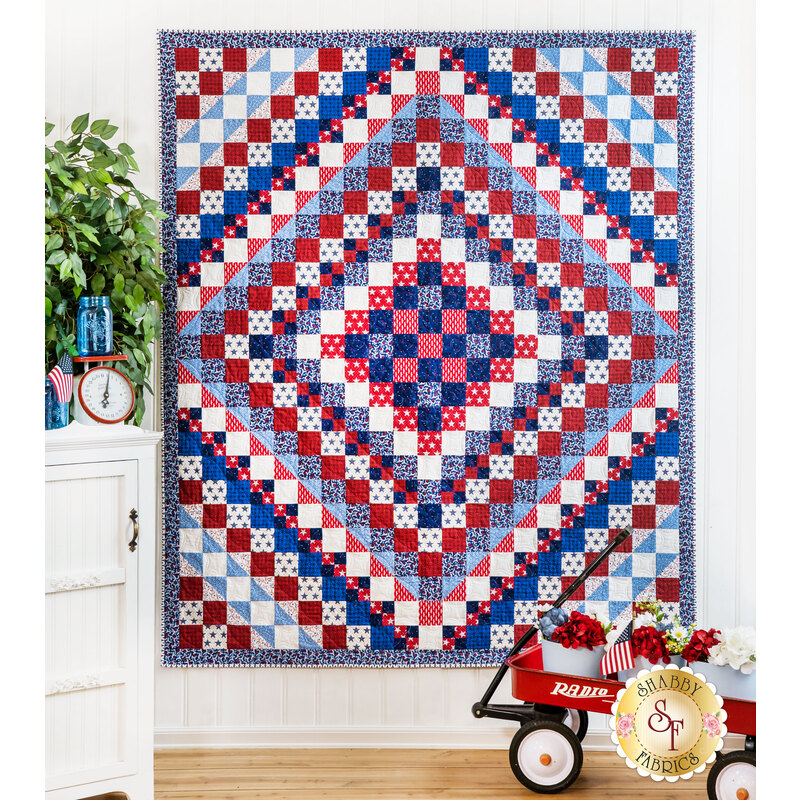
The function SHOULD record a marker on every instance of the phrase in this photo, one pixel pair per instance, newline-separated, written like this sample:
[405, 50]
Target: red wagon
[545, 753]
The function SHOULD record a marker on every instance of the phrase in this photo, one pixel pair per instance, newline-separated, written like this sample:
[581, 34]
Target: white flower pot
[729, 682]
[641, 663]
[571, 661]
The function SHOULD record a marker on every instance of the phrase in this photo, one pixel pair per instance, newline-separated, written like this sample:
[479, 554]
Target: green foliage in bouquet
[101, 238]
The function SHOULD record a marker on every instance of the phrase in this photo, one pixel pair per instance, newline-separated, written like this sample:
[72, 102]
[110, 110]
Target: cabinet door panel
[91, 600]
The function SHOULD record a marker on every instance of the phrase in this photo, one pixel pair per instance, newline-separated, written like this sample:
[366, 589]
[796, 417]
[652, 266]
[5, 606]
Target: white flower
[644, 620]
[736, 648]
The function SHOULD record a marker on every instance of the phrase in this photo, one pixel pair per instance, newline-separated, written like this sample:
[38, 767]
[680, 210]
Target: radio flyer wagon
[545, 753]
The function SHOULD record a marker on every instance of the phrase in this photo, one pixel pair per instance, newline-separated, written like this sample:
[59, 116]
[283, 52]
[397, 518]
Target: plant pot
[729, 682]
[641, 663]
[571, 661]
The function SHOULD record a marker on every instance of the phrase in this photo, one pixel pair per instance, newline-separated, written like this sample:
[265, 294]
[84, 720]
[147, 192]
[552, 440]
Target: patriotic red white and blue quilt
[428, 340]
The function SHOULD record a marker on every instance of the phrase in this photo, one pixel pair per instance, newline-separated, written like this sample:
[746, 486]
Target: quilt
[428, 338]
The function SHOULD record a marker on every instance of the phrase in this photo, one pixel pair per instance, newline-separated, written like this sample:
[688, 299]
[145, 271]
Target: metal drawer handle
[134, 518]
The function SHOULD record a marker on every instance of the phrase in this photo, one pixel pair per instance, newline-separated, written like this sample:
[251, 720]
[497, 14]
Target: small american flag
[61, 376]
[620, 656]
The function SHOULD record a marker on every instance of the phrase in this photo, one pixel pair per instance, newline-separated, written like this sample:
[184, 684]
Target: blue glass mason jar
[95, 327]
[56, 414]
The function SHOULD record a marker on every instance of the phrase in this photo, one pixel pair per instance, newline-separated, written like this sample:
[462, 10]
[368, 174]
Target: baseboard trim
[355, 737]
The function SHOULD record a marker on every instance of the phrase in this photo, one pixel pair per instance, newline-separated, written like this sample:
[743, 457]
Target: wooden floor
[387, 774]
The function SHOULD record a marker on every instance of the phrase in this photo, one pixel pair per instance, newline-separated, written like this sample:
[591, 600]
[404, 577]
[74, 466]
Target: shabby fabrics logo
[668, 723]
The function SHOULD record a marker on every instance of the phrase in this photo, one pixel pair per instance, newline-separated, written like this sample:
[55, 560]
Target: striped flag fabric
[620, 656]
[61, 376]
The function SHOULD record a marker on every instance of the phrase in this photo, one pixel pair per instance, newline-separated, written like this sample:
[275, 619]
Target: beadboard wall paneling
[116, 77]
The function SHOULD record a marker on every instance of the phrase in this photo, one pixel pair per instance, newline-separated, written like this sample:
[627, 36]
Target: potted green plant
[101, 237]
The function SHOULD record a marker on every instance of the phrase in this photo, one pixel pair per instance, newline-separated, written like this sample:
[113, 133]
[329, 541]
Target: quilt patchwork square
[428, 341]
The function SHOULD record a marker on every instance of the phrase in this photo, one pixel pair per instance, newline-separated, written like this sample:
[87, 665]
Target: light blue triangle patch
[637, 112]
[409, 110]
[287, 231]
[384, 135]
[217, 390]
[520, 184]
[543, 487]
[411, 584]
[618, 607]
[254, 102]
[185, 521]
[240, 87]
[301, 55]
[277, 79]
[575, 78]
[590, 64]
[592, 439]
[624, 570]
[615, 415]
[360, 159]
[543, 207]
[211, 545]
[639, 390]
[305, 641]
[450, 583]
[496, 160]
[257, 592]
[660, 136]
[663, 365]
[335, 184]
[241, 278]
[311, 207]
[663, 328]
[664, 561]
[266, 632]
[670, 175]
[648, 544]
[207, 150]
[216, 303]
[184, 174]
[282, 618]
[219, 585]
[264, 255]
[235, 570]
[567, 232]
[600, 102]
[215, 112]
[230, 126]
[569, 462]
[194, 560]
[641, 587]
[623, 126]
[262, 65]
[242, 608]
[672, 522]
[471, 136]
[473, 559]
[194, 365]
[600, 593]
[552, 54]
[614, 87]
[446, 111]
[191, 136]
[645, 151]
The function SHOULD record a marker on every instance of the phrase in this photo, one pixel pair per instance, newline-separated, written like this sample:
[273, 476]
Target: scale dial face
[106, 395]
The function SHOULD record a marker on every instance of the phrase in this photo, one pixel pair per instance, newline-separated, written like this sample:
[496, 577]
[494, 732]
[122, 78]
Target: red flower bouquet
[579, 630]
[699, 645]
[651, 644]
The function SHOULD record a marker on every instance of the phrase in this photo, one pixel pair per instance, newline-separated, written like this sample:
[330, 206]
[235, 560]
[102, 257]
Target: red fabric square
[454, 541]
[644, 516]
[212, 178]
[330, 59]
[666, 59]
[238, 540]
[525, 226]
[357, 491]
[666, 203]
[642, 179]
[188, 202]
[212, 346]
[525, 467]
[306, 83]
[430, 565]
[571, 106]
[406, 540]
[215, 612]
[476, 178]
[260, 395]
[524, 59]
[307, 250]
[427, 130]
[404, 154]
[235, 154]
[355, 202]
[309, 443]
[332, 468]
[619, 371]
[285, 419]
[379, 179]
[668, 589]
[259, 130]
[381, 515]
[452, 154]
[643, 347]
[310, 612]
[234, 59]
[331, 226]
[547, 84]
[595, 130]
[190, 637]
[187, 106]
[667, 493]
[236, 322]
[500, 202]
[619, 154]
[549, 443]
[282, 106]
[619, 323]
[477, 515]
[238, 636]
[237, 370]
[642, 83]
[619, 59]
[211, 83]
[501, 491]
[191, 588]
[572, 274]
[334, 637]
[259, 298]
[262, 565]
[285, 588]
[187, 59]
[572, 419]
[666, 108]
[548, 251]
[283, 274]
[596, 395]
[190, 492]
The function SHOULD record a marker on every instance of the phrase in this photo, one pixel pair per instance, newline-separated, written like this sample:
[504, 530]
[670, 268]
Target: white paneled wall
[111, 72]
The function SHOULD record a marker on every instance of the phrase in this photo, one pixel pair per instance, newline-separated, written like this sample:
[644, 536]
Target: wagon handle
[481, 708]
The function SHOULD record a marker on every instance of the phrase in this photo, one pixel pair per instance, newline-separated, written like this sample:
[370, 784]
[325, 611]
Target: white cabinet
[100, 531]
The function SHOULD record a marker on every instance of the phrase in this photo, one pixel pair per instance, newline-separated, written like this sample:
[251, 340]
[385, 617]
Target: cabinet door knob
[134, 518]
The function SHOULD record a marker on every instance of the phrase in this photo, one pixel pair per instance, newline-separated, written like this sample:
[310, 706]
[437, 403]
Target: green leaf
[97, 283]
[79, 124]
[54, 242]
[125, 149]
[48, 307]
[97, 126]
[108, 131]
[119, 282]
[48, 128]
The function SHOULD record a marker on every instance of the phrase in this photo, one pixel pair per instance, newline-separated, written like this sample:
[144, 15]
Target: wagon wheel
[577, 720]
[733, 776]
[545, 756]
